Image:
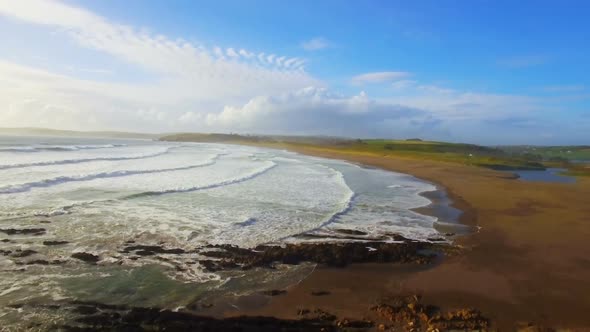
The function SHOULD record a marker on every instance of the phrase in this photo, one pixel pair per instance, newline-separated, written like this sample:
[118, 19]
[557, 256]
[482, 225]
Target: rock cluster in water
[327, 253]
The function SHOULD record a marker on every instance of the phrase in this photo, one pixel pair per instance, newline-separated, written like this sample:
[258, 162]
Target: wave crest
[84, 160]
[19, 188]
[38, 148]
[235, 180]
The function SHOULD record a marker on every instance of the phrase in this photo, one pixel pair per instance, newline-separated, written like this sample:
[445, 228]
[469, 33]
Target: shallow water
[548, 175]
[98, 194]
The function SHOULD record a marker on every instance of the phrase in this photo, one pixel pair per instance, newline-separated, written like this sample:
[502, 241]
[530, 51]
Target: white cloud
[379, 77]
[153, 52]
[315, 44]
[316, 111]
[246, 54]
[422, 111]
[270, 59]
[403, 84]
[183, 76]
[190, 87]
[232, 53]
[453, 105]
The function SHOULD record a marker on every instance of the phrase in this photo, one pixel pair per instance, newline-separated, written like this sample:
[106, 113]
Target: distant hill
[236, 138]
[72, 133]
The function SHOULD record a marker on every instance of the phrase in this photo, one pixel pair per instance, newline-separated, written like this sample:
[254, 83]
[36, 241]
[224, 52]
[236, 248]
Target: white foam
[43, 147]
[246, 177]
[160, 194]
[64, 179]
[84, 160]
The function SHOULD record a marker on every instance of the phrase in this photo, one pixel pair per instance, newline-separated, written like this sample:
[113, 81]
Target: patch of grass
[550, 153]
[578, 170]
[468, 154]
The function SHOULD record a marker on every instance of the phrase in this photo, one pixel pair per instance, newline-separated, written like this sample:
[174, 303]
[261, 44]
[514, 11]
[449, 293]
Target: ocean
[97, 195]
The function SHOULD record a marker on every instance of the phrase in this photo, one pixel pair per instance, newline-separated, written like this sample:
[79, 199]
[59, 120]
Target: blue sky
[492, 72]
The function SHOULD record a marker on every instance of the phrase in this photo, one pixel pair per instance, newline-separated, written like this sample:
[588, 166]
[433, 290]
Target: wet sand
[529, 263]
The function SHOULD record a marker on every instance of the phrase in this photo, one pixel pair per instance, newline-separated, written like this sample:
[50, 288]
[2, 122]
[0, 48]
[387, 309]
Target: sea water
[98, 194]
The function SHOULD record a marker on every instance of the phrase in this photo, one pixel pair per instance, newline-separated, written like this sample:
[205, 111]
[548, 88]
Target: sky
[488, 72]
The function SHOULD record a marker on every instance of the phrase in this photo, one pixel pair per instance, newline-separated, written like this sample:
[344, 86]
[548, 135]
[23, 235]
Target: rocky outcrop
[25, 231]
[331, 254]
[86, 257]
[274, 292]
[408, 312]
[93, 316]
[54, 243]
[18, 253]
[149, 250]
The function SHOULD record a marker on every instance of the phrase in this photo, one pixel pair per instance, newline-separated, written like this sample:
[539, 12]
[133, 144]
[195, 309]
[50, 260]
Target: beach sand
[529, 263]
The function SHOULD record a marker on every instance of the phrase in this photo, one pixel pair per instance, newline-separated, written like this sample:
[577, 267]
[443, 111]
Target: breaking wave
[64, 179]
[38, 148]
[84, 160]
[231, 181]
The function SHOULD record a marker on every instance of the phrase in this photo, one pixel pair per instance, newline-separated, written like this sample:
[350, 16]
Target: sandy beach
[517, 259]
[527, 266]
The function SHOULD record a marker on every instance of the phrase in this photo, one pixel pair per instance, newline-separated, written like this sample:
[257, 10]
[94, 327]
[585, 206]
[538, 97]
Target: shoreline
[518, 271]
[502, 270]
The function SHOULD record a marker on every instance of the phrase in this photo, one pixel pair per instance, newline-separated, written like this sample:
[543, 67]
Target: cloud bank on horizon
[67, 66]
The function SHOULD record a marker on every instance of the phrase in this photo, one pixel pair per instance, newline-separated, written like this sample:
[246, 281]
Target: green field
[468, 154]
[551, 153]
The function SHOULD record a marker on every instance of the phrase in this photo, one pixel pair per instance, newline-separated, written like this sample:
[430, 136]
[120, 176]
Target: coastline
[515, 272]
[504, 271]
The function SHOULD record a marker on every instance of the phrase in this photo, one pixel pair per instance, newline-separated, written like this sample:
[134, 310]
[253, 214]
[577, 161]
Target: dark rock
[303, 312]
[44, 262]
[218, 265]
[23, 253]
[317, 314]
[144, 253]
[436, 239]
[85, 310]
[355, 324]
[409, 311]
[15, 306]
[25, 231]
[100, 317]
[330, 254]
[320, 293]
[54, 243]
[324, 315]
[351, 232]
[145, 250]
[274, 292]
[5, 240]
[463, 319]
[86, 257]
